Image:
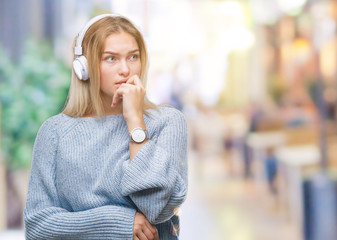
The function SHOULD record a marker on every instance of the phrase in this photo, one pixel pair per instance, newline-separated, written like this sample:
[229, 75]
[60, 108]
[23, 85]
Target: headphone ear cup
[80, 66]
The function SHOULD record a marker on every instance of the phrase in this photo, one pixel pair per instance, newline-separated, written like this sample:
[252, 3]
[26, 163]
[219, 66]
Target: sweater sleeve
[156, 179]
[44, 216]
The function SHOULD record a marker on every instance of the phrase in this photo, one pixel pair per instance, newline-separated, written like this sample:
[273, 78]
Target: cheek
[137, 69]
[107, 74]
[104, 70]
[106, 78]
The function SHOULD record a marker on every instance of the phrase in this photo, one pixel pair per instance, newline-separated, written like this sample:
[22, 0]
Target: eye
[110, 59]
[134, 57]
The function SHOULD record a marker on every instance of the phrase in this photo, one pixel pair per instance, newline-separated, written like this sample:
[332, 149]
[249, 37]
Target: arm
[156, 178]
[133, 123]
[46, 219]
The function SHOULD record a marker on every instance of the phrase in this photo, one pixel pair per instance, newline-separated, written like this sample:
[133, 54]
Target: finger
[135, 80]
[138, 82]
[152, 228]
[148, 233]
[116, 97]
[155, 234]
[119, 93]
[141, 235]
[131, 80]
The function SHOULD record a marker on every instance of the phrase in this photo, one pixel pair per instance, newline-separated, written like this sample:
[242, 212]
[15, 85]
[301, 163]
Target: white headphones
[80, 64]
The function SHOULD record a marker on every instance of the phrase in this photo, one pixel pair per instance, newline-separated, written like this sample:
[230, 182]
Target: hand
[132, 94]
[143, 229]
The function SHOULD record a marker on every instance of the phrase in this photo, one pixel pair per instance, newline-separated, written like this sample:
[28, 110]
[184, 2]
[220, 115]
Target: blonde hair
[84, 96]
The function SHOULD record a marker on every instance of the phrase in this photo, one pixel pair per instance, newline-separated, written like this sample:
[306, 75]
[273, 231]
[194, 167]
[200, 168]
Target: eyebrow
[114, 53]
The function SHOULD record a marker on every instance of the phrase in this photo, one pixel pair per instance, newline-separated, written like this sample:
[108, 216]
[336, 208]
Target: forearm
[132, 124]
[160, 205]
[153, 183]
[156, 178]
[107, 222]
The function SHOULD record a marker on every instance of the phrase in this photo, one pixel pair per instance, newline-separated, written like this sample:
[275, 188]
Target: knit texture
[84, 186]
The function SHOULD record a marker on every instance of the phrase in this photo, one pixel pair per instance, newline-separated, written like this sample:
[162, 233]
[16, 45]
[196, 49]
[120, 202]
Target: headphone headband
[78, 47]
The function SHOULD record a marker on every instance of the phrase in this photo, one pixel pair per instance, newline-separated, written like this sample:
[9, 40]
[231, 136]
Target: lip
[122, 81]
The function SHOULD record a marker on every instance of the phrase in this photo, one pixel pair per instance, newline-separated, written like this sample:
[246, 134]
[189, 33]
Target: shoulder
[50, 124]
[167, 114]
[55, 128]
[56, 124]
[165, 117]
[48, 132]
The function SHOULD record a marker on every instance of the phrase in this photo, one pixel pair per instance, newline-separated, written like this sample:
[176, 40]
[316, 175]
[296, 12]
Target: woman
[111, 165]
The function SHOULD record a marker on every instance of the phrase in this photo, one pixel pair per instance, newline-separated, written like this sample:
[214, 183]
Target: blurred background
[256, 80]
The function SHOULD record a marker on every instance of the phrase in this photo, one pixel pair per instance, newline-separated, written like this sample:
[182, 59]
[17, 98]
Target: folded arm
[44, 216]
[156, 178]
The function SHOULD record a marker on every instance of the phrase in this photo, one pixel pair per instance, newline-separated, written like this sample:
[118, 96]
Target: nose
[124, 69]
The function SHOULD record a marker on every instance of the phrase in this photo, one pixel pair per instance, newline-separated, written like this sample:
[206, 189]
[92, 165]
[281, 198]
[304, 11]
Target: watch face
[138, 135]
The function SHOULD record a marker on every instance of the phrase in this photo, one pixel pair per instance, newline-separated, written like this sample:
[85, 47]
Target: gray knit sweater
[83, 185]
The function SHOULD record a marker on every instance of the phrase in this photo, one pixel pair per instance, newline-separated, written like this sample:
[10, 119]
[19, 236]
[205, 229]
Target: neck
[108, 110]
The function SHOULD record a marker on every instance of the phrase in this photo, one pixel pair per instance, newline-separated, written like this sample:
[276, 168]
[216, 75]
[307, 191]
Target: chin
[107, 94]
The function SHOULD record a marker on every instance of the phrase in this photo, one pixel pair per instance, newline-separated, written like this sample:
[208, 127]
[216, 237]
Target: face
[120, 61]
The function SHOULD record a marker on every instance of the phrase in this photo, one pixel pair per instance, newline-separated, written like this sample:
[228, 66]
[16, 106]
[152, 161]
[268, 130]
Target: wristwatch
[138, 135]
